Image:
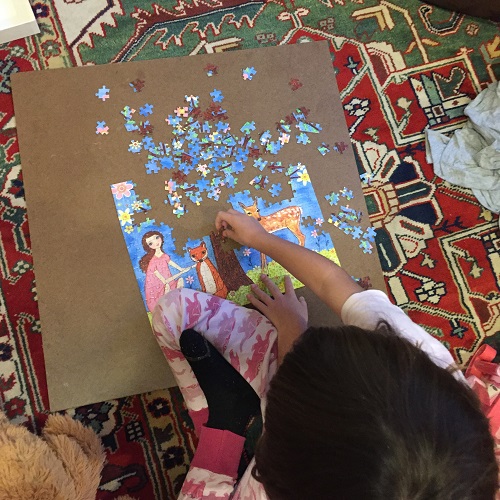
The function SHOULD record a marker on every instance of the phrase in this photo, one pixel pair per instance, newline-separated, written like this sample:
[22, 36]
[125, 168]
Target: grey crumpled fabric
[471, 156]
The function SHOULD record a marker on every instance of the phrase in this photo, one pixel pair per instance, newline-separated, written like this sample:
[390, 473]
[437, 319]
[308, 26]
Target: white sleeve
[365, 310]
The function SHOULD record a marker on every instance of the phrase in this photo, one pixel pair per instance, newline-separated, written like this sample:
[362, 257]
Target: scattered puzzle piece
[259, 182]
[275, 190]
[217, 95]
[249, 73]
[146, 110]
[101, 128]
[102, 93]
[340, 147]
[135, 146]
[211, 69]
[324, 148]
[248, 127]
[367, 178]
[295, 84]
[137, 85]
[370, 234]
[347, 193]
[303, 138]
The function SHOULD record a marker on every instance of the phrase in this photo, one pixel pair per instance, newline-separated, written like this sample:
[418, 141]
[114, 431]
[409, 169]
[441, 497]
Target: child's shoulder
[368, 308]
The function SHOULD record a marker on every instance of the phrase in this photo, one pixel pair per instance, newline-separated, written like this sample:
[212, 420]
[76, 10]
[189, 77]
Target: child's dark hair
[356, 414]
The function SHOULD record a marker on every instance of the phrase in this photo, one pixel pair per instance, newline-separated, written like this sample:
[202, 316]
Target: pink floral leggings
[248, 341]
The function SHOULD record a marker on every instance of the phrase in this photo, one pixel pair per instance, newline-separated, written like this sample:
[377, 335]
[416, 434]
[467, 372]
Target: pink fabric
[154, 288]
[247, 340]
[218, 451]
[482, 373]
[199, 419]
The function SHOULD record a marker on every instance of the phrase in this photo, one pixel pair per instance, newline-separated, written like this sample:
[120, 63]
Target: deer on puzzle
[285, 218]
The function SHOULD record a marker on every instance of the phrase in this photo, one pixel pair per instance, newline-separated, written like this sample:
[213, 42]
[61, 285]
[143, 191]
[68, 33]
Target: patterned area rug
[401, 66]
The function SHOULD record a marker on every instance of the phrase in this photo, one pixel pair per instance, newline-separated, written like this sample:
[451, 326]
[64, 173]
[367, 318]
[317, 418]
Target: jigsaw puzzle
[204, 156]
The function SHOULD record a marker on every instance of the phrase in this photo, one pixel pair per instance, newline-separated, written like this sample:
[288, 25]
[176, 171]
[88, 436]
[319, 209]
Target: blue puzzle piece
[324, 148]
[303, 138]
[332, 198]
[237, 167]
[202, 184]
[308, 127]
[167, 163]
[147, 142]
[146, 110]
[274, 147]
[347, 193]
[103, 93]
[248, 73]
[357, 232]
[248, 127]
[217, 95]
[241, 154]
[130, 126]
[195, 197]
[260, 164]
[275, 189]
[230, 180]
[370, 234]
[214, 193]
[222, 127]
[366, 246]
[265, 137]
[152, 166]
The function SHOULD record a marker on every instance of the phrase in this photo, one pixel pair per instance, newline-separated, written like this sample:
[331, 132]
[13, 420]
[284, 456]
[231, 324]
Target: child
[370, 410]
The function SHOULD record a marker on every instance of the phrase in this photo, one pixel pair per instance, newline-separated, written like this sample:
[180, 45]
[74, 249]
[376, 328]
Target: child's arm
[327, 280]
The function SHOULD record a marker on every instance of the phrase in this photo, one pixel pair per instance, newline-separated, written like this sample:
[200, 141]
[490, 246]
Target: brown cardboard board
[97, 339]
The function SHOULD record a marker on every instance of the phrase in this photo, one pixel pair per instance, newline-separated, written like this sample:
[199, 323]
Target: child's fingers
[257, 304]
[288, 285]
[271, 286]
[220, 220]
[304, 304]
[261, 295]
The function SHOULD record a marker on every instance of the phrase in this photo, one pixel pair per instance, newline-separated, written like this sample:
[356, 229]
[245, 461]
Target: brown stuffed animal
[64, 463]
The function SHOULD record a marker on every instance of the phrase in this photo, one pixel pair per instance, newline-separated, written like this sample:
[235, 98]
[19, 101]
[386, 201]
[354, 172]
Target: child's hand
[239, 227]
[285, 311]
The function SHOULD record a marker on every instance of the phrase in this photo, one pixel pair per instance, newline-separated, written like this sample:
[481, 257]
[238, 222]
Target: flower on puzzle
[121, 189]
[125, 217]
[135, 146]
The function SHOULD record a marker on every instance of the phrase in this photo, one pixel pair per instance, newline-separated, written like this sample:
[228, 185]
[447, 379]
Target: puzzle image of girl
[156, 265]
